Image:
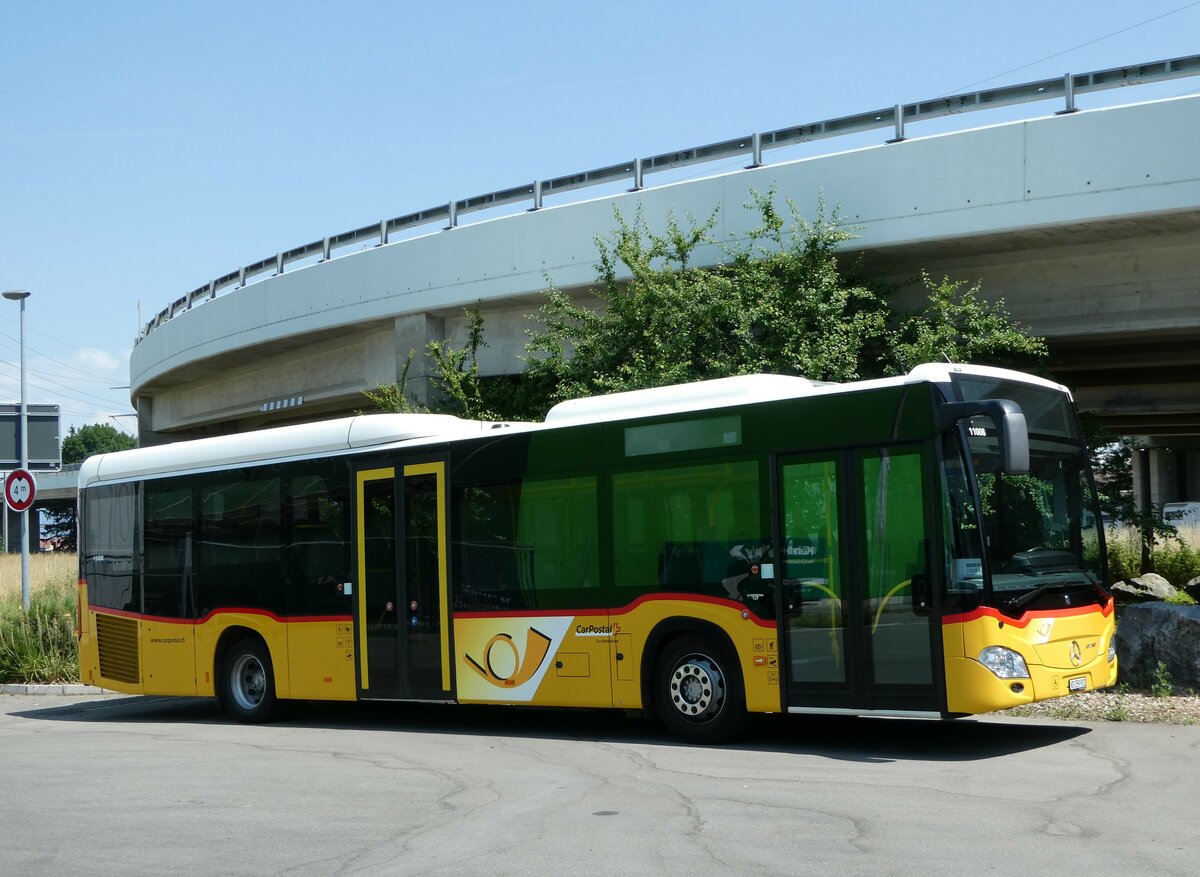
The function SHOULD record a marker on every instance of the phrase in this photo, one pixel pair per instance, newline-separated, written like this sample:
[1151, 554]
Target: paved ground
[117, 785]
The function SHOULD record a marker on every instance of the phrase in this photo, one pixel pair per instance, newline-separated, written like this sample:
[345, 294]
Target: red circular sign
[19, 489]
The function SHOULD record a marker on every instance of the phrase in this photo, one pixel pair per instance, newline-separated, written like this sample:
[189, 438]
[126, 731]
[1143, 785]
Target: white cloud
[102, 362]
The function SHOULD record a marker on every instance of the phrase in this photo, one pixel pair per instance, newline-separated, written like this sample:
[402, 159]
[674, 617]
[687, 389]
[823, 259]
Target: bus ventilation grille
[117, 639]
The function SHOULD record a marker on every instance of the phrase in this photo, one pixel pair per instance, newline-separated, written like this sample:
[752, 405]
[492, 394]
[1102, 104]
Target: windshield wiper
[1061, 585]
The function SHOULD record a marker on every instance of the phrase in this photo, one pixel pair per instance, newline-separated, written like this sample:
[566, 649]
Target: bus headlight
[1005, 663]
[1112, 651]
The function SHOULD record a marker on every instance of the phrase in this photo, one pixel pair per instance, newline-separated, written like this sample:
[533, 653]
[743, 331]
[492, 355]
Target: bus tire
[698, 691]
[247, 689]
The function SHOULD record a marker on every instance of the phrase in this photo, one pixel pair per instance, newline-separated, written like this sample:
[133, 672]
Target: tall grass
[1177, 559]
[39, 646]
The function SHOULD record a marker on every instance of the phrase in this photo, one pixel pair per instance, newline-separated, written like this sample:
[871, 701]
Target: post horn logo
[1076, 653]
[537, 644]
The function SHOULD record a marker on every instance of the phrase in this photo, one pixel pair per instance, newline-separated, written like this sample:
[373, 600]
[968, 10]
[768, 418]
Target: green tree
[458, 378]
[1111, 461]
[394, 398]
[956, 325]
[459, 387]
[779, 301]
[95, 438]
[1112, 465]
[79, 444]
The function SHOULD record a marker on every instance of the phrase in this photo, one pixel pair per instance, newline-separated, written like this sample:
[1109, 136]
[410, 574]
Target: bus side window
[318, 550]
[530, 544]
[109, 546]
[167, 564]
[692, 529]
[239, 550]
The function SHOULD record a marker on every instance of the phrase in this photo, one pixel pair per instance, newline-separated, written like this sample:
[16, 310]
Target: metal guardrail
[1065, 88]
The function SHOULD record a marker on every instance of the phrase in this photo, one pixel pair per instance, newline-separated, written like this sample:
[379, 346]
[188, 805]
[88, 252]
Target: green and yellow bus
[925, 545]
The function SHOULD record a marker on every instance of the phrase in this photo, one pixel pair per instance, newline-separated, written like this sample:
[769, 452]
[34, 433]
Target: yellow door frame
[360, 508]
[438, 470]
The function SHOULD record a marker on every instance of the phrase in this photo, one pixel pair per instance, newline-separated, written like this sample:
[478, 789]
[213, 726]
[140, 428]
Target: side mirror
[1011, 430]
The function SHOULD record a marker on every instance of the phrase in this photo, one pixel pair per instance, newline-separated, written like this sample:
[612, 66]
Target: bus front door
[402, 624]
[856, 610]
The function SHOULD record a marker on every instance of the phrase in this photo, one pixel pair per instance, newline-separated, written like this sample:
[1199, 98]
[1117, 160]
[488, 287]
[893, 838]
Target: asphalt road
[119, 785]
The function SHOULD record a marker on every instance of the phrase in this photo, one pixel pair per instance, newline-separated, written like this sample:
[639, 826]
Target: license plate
[1079, 683]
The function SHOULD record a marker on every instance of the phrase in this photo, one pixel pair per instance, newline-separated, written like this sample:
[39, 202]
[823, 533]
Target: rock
[1151, 632]
[1192, 589]
[1150, 586]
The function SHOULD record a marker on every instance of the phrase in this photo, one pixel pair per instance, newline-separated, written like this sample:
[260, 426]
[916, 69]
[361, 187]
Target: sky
[147, 147]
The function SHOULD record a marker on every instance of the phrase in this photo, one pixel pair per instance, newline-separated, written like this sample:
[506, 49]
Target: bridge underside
[1117, 301]
[1138, 383]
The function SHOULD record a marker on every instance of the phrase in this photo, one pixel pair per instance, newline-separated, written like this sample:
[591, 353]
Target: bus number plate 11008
[1079, 683]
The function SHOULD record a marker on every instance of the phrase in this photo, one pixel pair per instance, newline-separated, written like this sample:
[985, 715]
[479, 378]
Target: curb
[53, 690]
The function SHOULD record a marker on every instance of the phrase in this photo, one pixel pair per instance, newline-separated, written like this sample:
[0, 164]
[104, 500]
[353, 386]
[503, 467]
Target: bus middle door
[402, 611]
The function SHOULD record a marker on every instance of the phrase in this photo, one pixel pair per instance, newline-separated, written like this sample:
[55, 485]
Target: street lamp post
[20, 295]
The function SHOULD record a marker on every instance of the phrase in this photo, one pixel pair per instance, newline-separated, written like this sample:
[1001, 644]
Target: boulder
[1151, 632]
[1150, 586]
[1192, 589]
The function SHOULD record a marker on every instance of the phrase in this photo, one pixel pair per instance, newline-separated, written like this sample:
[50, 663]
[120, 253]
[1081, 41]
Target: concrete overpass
[1087, 223]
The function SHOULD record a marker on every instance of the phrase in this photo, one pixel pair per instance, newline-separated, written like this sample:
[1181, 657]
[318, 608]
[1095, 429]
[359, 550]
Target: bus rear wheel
[248, 682]
[698, 691]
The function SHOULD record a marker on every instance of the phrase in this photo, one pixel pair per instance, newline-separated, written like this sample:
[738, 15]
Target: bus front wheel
[248, 682]
[698, 691]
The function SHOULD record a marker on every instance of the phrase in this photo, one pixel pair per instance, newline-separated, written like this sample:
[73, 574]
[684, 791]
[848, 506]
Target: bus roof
[302, 440]
[384, 430]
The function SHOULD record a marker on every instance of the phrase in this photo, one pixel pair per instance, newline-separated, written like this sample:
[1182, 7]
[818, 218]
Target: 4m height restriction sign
[19, 489]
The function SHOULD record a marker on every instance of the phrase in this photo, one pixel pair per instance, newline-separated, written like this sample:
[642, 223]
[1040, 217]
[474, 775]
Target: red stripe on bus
[1023, 621]
[534, 613]
[624, 610]
[265, 613]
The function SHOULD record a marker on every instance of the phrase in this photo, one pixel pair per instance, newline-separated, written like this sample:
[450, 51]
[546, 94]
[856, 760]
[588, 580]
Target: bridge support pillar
[1156, 477]
[1141, 479]
[145, 425]
[413, 332]
[1191, 476]
[1163, 479]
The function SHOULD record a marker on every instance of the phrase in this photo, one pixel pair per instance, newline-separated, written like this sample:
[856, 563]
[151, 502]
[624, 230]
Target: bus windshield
[1041, 531]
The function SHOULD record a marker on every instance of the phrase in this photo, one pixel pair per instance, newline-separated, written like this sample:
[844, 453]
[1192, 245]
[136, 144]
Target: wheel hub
[697, 688]
[249, 682]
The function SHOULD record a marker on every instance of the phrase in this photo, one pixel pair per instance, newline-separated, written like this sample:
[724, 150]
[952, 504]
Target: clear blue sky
[146, 147]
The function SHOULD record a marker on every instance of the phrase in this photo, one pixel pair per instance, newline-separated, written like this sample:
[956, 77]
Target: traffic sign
[19, 489]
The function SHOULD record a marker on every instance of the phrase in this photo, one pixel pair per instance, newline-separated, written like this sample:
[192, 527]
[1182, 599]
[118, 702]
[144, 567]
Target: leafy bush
[1177, 562]
[1124, 559]
[1160, 683]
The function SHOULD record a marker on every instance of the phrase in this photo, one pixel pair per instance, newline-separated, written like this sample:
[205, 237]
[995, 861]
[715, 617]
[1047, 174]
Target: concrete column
[145, 420]
[413, 332]
[1141, 479]
[1162, 476]
[147, 437]
[1191, 476]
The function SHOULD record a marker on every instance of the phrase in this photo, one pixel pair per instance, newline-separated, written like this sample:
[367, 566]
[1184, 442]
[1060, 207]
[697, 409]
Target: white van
[1185, 513]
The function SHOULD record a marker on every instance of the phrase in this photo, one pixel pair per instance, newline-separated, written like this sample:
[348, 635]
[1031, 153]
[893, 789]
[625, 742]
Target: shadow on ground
[841, 738]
